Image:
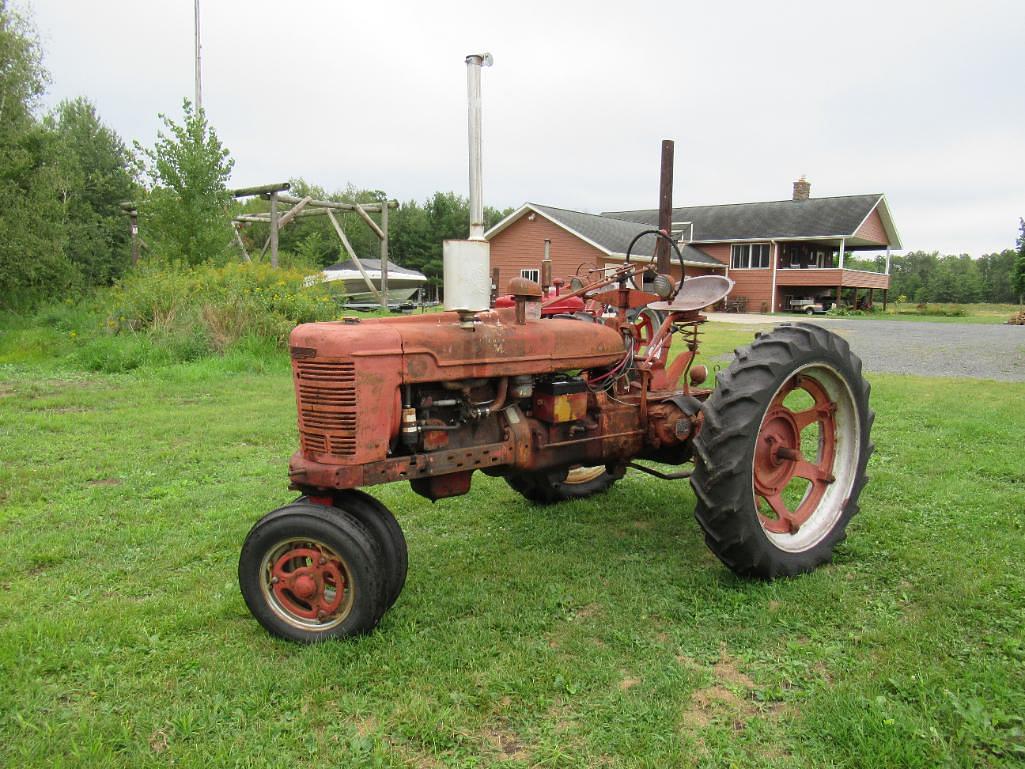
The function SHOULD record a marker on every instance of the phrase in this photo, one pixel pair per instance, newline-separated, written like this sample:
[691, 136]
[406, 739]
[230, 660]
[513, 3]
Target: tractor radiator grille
[326, 392]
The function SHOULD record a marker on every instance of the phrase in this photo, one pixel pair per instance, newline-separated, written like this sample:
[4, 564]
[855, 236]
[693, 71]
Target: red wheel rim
[779, 458]
[307, 584]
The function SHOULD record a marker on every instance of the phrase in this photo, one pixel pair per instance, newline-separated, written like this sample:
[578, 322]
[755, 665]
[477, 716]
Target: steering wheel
[659, 233]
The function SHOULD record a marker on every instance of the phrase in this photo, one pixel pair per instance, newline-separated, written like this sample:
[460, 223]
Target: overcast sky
[919, 100]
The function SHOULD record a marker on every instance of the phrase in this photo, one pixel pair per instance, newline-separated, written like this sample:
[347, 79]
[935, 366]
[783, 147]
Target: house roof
[814, 218]
[611, 235]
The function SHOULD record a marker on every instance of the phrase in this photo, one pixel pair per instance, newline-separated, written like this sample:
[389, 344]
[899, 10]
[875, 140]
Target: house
[777, 252]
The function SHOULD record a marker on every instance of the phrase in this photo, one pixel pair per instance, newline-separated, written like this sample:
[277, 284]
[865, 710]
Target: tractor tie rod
[659, 473]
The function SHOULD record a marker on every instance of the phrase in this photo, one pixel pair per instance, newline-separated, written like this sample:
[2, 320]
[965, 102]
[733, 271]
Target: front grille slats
[326, 391]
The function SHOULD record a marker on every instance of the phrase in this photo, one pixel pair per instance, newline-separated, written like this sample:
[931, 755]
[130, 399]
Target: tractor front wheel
[546, 487]
[781, 459]
[310, 572]
[381, 523]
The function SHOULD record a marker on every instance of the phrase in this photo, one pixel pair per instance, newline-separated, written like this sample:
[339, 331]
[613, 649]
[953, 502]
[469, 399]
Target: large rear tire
[777, 479]
[547, 487]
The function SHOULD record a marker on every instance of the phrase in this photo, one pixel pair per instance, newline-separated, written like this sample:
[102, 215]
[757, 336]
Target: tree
[185, 216]
[995, 273]
[1018, 275]
[32, 261]
[92, 169]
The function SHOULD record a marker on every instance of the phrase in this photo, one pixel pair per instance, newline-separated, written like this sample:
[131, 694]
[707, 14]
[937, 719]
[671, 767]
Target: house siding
[521, 246]
[872, 229]
[718, 251]
[755, 285]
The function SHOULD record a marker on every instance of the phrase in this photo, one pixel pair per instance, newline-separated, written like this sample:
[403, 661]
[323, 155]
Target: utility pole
[199, 82]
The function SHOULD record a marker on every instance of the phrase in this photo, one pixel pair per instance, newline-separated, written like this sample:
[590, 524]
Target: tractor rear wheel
[546, 487]
[310, 572]
[781, 459]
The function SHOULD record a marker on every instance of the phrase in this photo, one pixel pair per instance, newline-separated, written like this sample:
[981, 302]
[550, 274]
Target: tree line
[933, 277]
[64, 176]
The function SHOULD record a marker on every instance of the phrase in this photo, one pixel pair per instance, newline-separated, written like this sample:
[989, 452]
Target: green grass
[936, 312]
[597, 633]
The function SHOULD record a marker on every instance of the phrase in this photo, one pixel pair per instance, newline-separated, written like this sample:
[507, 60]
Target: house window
[754, 256]
[534, 275]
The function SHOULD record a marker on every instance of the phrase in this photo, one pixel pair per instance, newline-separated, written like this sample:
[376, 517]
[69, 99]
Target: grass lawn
[597, 633]
[971, 313]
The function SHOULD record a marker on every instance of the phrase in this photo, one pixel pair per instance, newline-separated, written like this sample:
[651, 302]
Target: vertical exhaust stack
[467, 263]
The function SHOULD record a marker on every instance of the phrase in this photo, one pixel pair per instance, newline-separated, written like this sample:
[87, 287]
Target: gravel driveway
[933, 349]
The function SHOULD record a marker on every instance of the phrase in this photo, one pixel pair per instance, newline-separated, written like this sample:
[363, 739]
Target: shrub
[213, 307]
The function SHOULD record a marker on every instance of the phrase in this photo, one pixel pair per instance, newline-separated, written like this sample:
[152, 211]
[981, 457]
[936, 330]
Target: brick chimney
[802, 189]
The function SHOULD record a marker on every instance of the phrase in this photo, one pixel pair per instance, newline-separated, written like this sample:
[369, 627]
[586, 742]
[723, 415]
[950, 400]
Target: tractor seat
[696, 294]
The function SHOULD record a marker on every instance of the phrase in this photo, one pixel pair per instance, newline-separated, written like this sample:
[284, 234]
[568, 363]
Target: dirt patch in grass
[716, 703]
[506, 744]
[158, 741]
[628, 682]
[726, 700]
[726, 670]
[63, 409]
[365, 726]
[106, 482]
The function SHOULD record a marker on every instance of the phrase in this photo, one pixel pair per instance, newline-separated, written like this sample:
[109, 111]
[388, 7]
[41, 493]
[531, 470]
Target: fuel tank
[348, 375]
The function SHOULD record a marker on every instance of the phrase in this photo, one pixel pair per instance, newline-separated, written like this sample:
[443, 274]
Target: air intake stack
[467, 263]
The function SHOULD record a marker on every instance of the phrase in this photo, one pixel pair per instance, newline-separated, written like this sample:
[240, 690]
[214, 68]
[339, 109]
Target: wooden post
[384, 256]
[263, 189]
[238, 239]
[839, 296]
[370, 222]
[274, 229]
[133, 222]
[665, 207]
[886, 291]
[352, 255]
[293, 212]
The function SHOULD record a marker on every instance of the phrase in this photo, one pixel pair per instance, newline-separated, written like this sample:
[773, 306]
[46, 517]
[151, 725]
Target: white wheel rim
[844, 467]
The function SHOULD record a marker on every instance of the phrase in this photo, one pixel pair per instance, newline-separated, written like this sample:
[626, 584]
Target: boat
[403, 282]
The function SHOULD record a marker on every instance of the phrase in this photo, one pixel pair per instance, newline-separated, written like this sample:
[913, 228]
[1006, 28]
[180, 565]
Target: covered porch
[818, 269]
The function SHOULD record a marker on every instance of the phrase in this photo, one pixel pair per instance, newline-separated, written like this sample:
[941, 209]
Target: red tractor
[560, 407]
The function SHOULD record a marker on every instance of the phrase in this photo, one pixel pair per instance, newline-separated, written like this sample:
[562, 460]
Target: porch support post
[887, 264]
[839, 295]
[843, 244]
[775, 261]
[885, 292]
